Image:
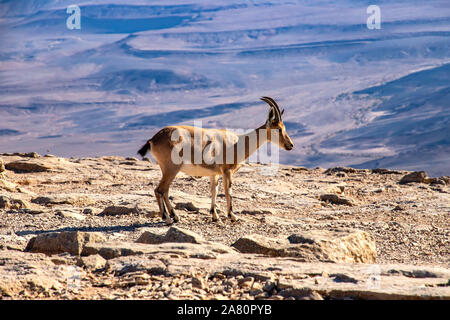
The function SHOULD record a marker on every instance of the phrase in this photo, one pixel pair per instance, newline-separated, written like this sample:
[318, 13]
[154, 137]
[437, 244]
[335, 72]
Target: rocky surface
[349, 246]
[90, 229]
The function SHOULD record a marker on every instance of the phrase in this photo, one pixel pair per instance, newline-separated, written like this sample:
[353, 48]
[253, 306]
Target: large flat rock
[72, 242]
[34, 273]
[317, 245]
[114, 249]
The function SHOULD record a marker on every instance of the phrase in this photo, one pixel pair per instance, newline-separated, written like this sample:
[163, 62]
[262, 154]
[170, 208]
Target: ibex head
[274, 122]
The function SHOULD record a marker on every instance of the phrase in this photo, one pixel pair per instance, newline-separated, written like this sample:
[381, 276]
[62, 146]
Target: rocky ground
[89, 229]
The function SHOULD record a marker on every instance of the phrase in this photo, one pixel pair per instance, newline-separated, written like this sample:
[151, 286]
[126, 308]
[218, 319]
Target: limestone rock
[150, 237]
[7, 185]
[70, 214]
[57, 242]
[12, 203]
[246, 282]
[340, 169]
[72, 199]
[127, 264]
[174, 234]
[94, 262]
[257, 212]
[261, 245]
[199, 282]
[23, 154]
[21, 166]
[114, 249]
[31, 273]
[188, 206]
[334, 198]
[417, 176]
[446, 179]
[385, 171]
[36, 274]
[2, 166]
[332, 246]
[163, 262]
[441, 180]
[39, 164]
[118, 210]
[298, 169]
[302, 293]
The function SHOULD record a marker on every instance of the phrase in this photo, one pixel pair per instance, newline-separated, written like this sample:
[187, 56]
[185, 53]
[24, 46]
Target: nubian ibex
[209, 152]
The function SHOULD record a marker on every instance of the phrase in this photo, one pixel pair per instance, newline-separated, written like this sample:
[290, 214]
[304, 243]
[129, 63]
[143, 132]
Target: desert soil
[408, 222]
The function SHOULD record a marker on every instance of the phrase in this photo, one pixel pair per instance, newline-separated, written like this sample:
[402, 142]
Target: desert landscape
[89, 228]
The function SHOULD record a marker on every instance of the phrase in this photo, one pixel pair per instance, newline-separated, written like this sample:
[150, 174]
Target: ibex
[209, 152]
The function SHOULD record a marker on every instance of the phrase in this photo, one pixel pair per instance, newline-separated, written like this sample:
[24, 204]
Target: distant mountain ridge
[353, 96]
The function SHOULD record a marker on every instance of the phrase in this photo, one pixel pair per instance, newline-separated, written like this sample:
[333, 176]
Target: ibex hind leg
[162, 208]
[162, 191]
[170, 209]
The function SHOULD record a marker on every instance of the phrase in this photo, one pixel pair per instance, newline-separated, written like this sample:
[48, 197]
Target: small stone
[94, 262]
[198, 282]
[69, 214]
[246, 282]
[11, 203]
[257, 286]
[88, 211]
[314, 295]
[334, 198]
[340, 170]
[219, 275]
[150, 237]
[298, 169]
[188, 206]
[269, 286]
[436, 181]
[261, 296]
[176, 234]
[9, 186]
[118, 210]
[230, 282]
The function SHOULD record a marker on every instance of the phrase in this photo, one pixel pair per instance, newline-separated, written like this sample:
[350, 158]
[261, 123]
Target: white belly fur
[196, 170]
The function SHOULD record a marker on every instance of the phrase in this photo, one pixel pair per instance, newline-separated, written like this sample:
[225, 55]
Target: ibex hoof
[175, 217]
[169, 221]
[232, 217]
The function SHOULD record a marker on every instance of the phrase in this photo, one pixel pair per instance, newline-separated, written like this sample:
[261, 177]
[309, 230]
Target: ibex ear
[270, 117]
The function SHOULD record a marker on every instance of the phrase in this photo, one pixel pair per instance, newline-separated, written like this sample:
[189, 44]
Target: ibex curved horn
[273, 105]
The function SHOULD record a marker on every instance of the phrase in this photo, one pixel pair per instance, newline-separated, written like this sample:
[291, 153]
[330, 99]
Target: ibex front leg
[227, 188]
[213, 183]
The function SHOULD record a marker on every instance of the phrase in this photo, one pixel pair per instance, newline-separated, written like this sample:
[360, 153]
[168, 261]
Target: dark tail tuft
[145, 148]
